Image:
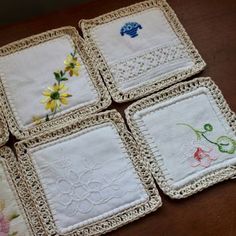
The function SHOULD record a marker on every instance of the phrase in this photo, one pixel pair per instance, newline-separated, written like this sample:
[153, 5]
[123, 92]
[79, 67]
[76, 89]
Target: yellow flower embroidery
[72, 65]
[55, 96]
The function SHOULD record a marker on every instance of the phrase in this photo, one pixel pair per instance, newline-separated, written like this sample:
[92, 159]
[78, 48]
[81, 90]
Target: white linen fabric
[155, 51]
[180, 153]
[27, 73]
[87, 177]
[11, 219]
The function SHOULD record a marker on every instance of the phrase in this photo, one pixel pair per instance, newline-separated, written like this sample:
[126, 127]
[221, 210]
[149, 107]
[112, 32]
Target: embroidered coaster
[141, 49]
[188, 135]
[88, 177]
[12, 217]
[47, 80]
[4, 134]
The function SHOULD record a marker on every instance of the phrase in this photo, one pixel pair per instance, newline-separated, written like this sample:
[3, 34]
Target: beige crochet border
[15, 180]
[33, 186]
[198, 184]
[104, 98]
[4, 134]
[117, 95]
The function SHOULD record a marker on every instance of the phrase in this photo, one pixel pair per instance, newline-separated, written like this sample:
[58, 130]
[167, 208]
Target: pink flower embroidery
[202, 158]
[4, 225]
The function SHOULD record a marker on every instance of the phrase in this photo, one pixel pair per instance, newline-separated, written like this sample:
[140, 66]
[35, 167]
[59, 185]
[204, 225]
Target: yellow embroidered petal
[64, 100]
[65, 95]
[53, 105]
[68, 60]
[45, 99]
[56, 88]
[36, 119]
[47, 93]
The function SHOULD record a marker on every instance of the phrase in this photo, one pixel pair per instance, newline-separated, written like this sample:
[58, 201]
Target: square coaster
[188, 134]
[48, 79]
[4, 134]
[88, 177]
[141, 49]
[13, 220]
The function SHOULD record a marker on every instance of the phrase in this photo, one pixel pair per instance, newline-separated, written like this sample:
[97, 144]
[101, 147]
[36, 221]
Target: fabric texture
[155, 50]
[29, 72]
[11, 220]
[187, 154]
[87, 177]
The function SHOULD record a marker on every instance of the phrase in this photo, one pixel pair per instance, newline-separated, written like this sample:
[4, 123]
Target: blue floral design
[130, 29]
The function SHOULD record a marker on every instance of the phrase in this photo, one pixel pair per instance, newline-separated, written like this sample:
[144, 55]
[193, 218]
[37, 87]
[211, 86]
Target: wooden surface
[211, 26]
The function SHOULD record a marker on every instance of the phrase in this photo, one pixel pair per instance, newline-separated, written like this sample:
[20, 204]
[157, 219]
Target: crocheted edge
[4, 134]
[166, 80]
[15, 180]
[104, 98]
[203, 182]
[107, 224]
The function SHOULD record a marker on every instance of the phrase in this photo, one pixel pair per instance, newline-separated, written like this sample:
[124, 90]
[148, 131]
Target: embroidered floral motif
[150, 60]
[130, 29]
[80, 192]
[72, 65]
[224, 143]
[55, 96]
[202, 157]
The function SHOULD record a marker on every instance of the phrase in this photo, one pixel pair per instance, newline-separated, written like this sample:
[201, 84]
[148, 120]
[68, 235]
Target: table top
[211, 26]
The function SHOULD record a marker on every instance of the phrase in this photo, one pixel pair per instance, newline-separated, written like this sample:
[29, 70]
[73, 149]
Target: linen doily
[188, 135]
[86, 178]
[141, 49]
[48, 79]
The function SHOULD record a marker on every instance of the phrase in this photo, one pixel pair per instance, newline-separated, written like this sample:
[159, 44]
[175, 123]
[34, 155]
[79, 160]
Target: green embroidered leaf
[226, 144]
[13, 216]
[208, 127]
[57, 75]
[64, 79]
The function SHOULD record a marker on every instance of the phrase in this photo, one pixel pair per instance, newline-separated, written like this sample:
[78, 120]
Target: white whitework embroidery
[80, 192]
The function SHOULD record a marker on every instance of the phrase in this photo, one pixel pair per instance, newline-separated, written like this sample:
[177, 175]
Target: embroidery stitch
[141, 64]
[56, 95]
[81, 192]
[224, 143]
[130, 29]
[202, 157]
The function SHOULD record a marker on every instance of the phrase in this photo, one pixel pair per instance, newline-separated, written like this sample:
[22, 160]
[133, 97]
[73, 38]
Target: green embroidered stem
[208, 139]
[56, 95]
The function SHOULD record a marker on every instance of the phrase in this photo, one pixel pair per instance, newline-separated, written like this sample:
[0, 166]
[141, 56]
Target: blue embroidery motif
[130, 29]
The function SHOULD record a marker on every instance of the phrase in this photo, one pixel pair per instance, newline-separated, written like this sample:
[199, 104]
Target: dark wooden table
[211, 26]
